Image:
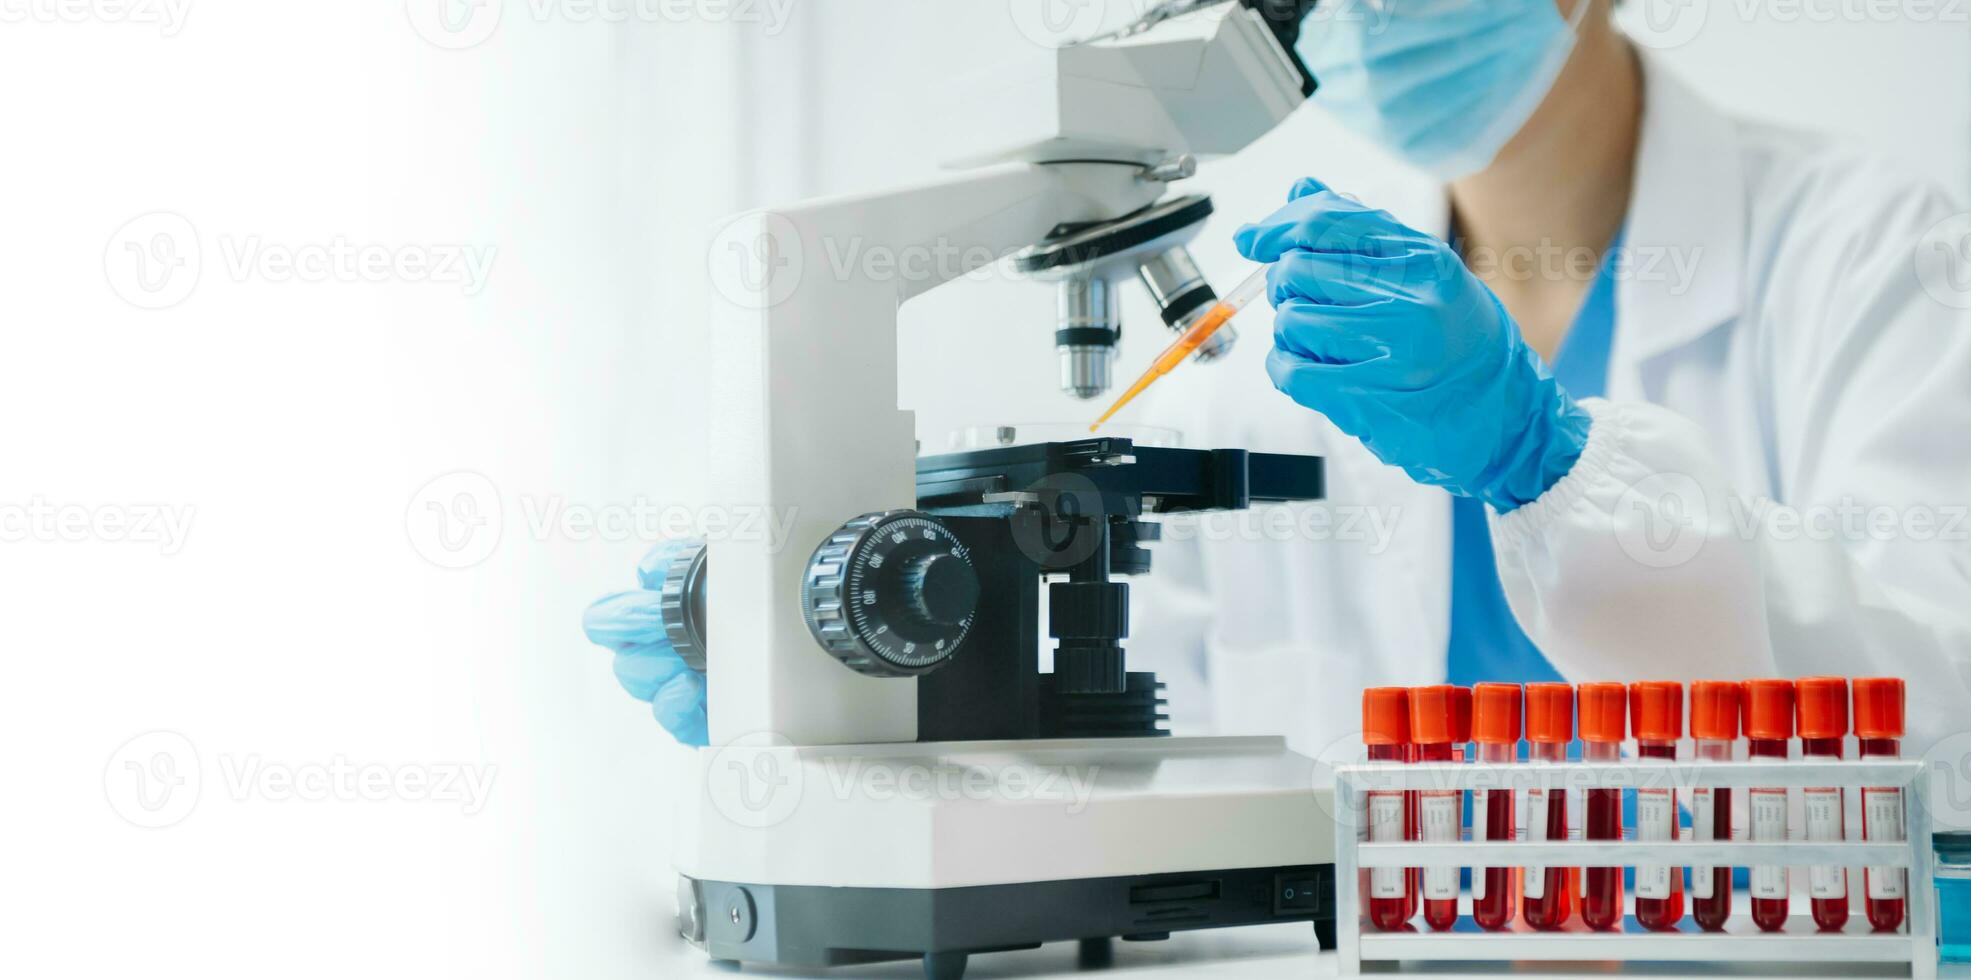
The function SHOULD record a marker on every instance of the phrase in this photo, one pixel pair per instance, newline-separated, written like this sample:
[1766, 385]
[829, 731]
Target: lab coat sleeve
[1645, 562]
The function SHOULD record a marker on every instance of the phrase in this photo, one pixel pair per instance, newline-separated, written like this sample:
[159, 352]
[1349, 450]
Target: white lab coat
[1797, 368]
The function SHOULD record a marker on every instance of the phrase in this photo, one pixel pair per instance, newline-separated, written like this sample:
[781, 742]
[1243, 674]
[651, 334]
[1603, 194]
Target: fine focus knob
[891, 594]
[681, 603]
[940, 590]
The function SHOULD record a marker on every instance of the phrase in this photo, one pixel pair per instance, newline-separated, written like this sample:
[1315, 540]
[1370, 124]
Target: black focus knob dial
[891, 594]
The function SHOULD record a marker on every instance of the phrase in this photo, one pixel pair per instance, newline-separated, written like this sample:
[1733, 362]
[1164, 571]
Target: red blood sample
[1768, 727]
[1495, 727]
[1656, 710]
[1821, 712]
[1879, 728]
[1549, 727]
[1604, 723]
[1386, 733]
[1714, 709]
[1435, 721]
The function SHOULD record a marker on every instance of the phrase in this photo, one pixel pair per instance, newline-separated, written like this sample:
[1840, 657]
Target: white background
[297, 624]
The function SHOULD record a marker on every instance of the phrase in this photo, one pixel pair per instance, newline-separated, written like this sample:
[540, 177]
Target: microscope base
[808, 926]
[814, 856]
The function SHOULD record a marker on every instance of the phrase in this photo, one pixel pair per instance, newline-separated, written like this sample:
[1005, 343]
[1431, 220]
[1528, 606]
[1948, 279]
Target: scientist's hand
[632, 624]
[1382, 329]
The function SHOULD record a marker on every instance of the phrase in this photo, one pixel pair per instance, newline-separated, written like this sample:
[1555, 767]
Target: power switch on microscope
[1302, 894]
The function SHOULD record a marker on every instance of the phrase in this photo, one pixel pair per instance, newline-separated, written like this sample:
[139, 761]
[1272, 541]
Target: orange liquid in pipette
[1186, 343]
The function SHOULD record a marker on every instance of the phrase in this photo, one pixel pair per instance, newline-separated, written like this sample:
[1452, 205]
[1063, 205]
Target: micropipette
[1191, 339]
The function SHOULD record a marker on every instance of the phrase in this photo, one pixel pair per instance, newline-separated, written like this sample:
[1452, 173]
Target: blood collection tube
[1656, 714]
[1768, 727]
[1879, 729]
[1714, 725]
[1495, 727]
[1386, 733]
[1604, 724]
[1435, 715]
[1821, 712]
[1549, 892]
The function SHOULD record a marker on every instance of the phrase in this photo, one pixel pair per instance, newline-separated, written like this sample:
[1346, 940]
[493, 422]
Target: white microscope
[891, 775]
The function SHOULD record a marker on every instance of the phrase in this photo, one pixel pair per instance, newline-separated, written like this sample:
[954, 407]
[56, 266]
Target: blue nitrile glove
[632, 624]
[1382, 329]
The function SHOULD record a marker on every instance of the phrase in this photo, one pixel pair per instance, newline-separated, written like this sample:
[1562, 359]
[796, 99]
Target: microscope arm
[805, 424]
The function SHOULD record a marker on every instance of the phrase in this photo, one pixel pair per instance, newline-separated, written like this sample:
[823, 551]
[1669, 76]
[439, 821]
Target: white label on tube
[1480, 823]
[1703, 816]
[1443, 820]
[1882, 820]
[1536, 829]
[1656, 820]
[1823, 810]
[1386, 824]
[1768, 824]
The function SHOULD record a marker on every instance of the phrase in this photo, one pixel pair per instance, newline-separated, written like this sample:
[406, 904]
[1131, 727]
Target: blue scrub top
[1486, 642]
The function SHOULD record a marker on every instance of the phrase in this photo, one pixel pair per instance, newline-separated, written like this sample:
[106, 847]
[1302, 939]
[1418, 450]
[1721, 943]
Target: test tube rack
[1741, 942]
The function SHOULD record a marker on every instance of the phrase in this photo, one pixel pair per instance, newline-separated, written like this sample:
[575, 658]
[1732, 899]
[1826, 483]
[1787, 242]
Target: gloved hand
[632, 624]
[1382, 329]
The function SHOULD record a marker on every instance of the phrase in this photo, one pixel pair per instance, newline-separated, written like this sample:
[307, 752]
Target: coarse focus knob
[891, 594]
[681, 604]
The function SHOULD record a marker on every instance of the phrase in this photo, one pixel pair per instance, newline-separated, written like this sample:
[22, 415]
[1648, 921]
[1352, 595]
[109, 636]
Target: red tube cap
[1461, 715]
[1656, 709]
[1386, 716]
[1821, 707]
[1549, 712]
[1495, 713]
[1433, 714]
[1604, 712]
[1768, 708]
[1714, 709]
[1879, 707]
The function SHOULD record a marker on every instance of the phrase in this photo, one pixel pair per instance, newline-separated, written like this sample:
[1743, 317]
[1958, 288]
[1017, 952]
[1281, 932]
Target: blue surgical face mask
[1444, 84]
